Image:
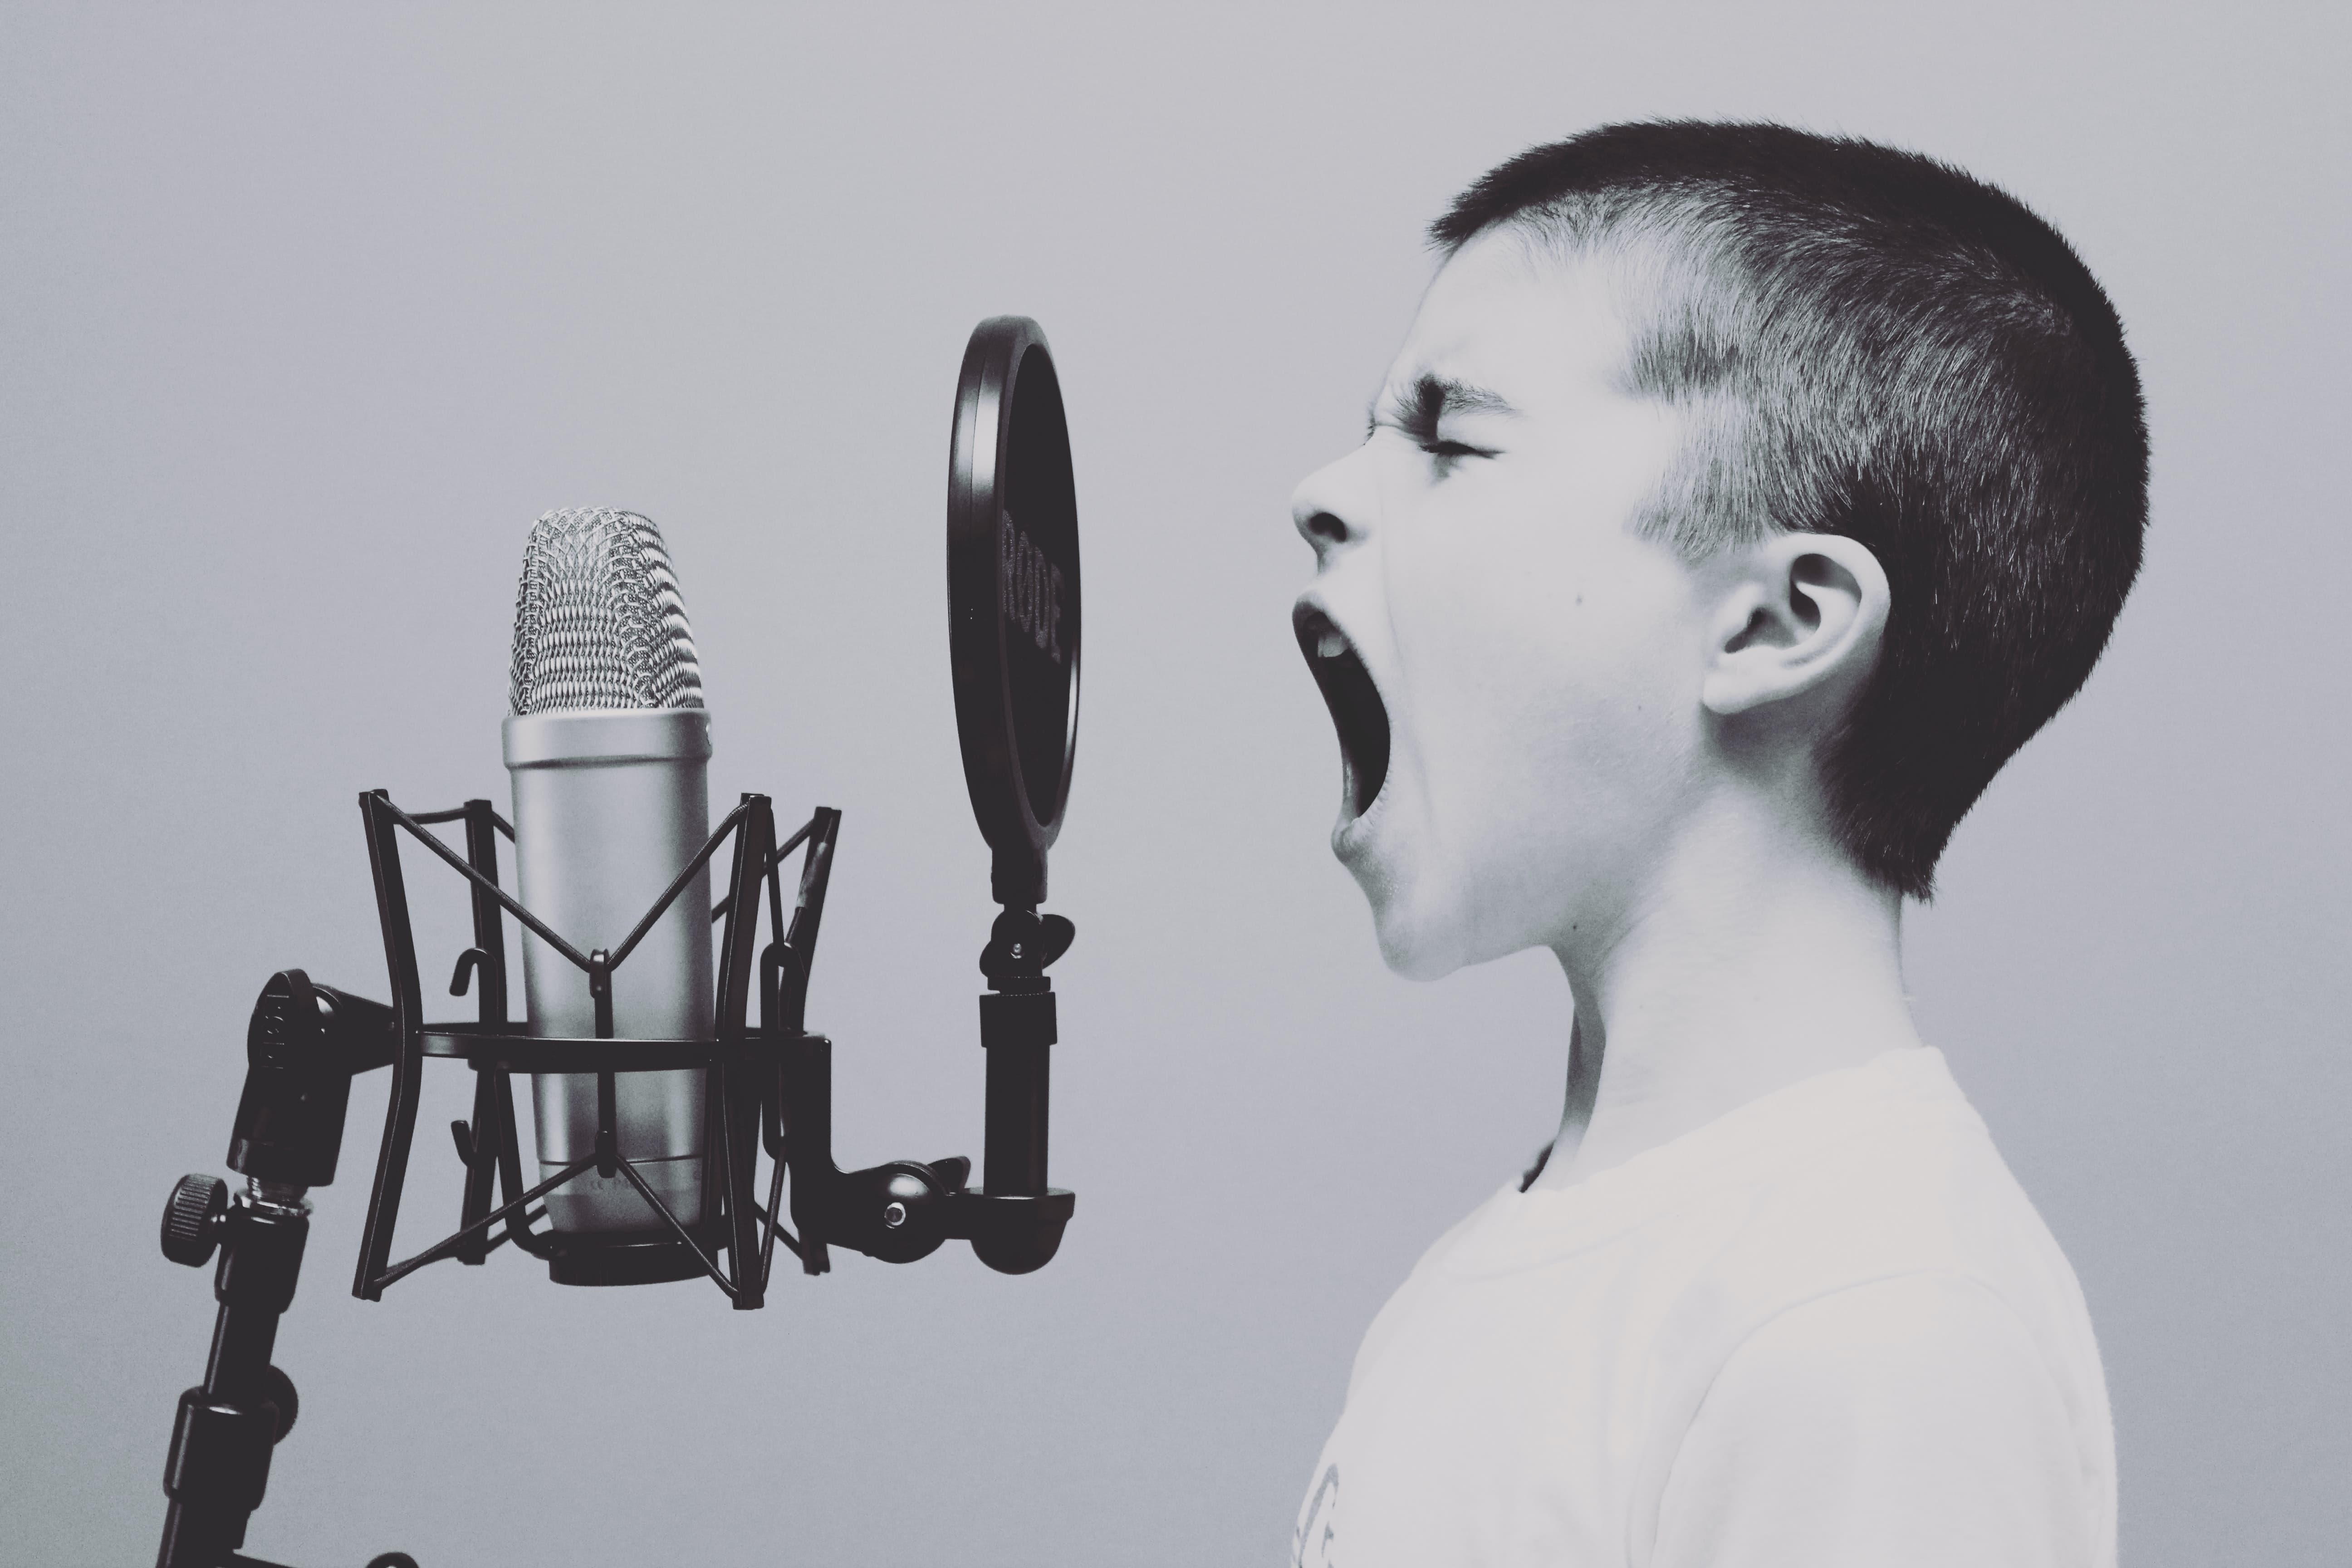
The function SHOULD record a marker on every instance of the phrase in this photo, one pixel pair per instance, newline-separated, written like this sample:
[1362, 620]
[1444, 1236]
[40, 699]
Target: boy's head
[1715, 451]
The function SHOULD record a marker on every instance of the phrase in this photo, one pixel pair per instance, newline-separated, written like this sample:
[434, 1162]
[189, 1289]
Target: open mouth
[1356, 711]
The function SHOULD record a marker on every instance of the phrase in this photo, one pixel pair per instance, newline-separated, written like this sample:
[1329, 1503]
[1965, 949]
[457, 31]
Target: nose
[1333, 506]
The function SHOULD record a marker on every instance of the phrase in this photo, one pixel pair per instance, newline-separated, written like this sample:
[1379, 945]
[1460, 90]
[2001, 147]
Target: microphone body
[608, 805]
[609, 750]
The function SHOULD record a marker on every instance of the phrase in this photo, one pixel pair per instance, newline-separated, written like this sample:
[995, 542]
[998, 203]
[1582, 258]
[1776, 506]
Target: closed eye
[1446, 454]
[1417, 412]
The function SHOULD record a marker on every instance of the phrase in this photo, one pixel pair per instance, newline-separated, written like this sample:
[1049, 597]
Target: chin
[1414, 958]
[1417, 941]
[1438, 920]
[1418, 908]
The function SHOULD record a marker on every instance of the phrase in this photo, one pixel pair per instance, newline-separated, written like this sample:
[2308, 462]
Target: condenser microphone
[609, 749]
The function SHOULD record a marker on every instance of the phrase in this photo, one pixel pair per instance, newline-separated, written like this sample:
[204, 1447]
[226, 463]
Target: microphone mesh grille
[598, 619]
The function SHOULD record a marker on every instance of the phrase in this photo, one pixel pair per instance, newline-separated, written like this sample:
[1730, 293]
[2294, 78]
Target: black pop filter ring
[1013, 598]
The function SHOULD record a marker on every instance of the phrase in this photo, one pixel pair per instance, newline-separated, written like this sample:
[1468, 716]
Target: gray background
[307, 311]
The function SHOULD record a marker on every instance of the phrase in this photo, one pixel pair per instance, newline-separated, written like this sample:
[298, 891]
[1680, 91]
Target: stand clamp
[303, 1047]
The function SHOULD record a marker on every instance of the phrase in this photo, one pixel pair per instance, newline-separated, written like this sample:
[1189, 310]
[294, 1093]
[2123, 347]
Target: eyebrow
[1434, 397]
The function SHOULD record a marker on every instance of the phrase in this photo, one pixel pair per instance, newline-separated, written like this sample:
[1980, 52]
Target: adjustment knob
[278, 1389]
[191, 1219]
[913, 1223]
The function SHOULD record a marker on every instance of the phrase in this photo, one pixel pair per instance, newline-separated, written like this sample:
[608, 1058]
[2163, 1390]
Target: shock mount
[770, 1093]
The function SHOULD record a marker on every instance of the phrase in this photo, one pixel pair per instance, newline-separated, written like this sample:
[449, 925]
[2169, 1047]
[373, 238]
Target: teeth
[1331, 644]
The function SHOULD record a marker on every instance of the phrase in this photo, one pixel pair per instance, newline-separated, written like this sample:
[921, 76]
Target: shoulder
[1906, 1181]
[1911, 1213]
[1883, 1305]
[1914, 1419]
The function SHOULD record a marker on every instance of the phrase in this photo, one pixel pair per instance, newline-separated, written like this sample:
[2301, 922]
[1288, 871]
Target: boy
[1740, 500]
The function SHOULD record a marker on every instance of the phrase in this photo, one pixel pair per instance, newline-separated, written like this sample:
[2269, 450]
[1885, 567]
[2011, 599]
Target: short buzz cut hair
[1871, 343]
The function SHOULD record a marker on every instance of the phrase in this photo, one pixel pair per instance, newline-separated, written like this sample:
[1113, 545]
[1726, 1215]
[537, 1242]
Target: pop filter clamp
[1013, 618]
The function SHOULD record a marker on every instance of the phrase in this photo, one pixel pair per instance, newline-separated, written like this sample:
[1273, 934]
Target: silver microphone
[609, 750]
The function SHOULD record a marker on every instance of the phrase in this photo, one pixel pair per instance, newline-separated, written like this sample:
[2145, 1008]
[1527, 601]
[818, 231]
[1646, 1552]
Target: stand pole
[221, 1443]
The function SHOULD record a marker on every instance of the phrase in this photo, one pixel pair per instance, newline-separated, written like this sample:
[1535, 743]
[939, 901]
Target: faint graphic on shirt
[1317, 1524]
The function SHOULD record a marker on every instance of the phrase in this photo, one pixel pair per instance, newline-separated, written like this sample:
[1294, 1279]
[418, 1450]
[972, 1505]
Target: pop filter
[1013, 598]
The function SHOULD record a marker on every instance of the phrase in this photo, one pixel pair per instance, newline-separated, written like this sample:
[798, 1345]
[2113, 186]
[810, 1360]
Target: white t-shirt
[1825, 1330]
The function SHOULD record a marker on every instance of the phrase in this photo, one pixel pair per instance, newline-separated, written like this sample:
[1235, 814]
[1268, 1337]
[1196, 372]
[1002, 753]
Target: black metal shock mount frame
[770, 1091]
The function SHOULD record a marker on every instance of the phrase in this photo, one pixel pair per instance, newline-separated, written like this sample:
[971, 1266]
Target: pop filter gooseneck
[1013, 598]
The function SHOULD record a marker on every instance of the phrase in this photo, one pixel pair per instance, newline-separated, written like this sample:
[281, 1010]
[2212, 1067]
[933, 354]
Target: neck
[1756, 956]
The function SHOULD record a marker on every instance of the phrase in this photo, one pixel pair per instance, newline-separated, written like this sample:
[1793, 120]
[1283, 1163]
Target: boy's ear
[1797, 613]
